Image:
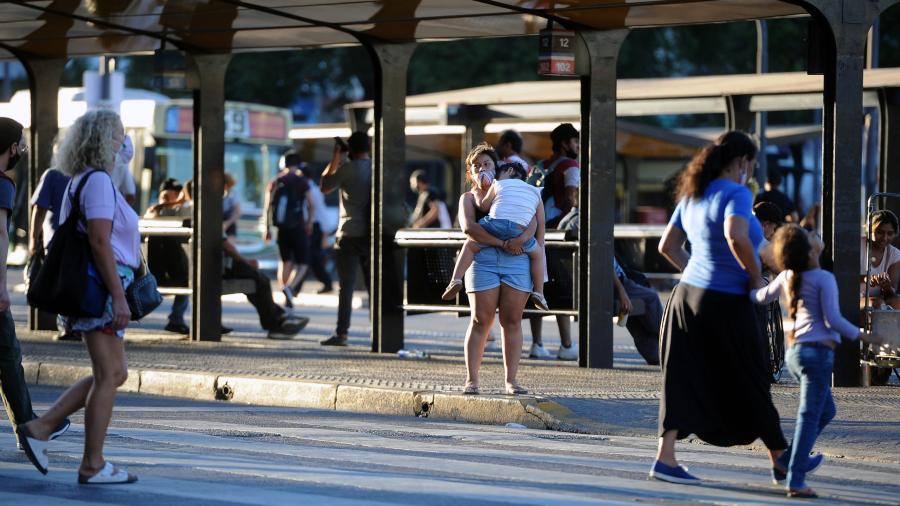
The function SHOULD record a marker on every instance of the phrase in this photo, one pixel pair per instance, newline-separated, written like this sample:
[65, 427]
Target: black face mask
[13, 161]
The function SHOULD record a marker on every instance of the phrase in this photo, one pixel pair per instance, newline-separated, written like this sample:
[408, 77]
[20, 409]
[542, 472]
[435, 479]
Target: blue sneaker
[812, 464]
[677, 474]
[60, 429]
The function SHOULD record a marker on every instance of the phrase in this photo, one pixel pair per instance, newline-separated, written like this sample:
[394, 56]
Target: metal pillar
[630, 182]
[390, 62]
[762, 117]
[44, 77]
[597, 198]
[474, 135]
[209, 160]
[849, 22]
[737, 113]
[889, 140]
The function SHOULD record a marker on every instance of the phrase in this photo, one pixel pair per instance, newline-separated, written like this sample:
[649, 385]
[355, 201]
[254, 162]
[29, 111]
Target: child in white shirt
[511, 204]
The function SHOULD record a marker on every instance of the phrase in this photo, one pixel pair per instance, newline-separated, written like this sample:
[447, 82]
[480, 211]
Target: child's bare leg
[536, 258]
[463, 261]
[465, 258]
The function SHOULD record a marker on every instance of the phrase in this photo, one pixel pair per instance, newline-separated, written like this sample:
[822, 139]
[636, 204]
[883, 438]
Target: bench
[174, 227]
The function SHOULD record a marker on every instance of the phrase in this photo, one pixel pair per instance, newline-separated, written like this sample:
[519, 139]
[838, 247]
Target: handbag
[143, 294]
[67, 283]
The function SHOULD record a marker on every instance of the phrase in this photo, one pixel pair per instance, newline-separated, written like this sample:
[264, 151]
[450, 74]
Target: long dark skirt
[715, 381]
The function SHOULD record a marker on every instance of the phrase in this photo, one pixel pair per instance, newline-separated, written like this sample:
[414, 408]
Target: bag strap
[556, 162]
[75, 201]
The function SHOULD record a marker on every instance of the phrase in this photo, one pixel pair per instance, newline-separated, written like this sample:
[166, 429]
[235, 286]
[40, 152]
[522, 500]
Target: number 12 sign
[556, 53]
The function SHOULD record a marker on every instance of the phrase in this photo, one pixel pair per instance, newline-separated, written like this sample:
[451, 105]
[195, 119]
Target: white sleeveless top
[891, 256]
[515, 200]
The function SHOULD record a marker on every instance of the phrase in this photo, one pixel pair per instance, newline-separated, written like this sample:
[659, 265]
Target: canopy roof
[62, 28]
[554, 100]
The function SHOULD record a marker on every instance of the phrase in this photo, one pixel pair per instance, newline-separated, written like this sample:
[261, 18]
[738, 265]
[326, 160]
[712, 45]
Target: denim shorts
[505, 230]
[493, 266]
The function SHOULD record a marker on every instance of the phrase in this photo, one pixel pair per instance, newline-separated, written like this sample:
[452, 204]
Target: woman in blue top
[713, 358]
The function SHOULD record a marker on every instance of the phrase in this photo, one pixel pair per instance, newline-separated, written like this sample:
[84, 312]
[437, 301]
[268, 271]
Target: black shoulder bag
[142, 294]
[67, 282]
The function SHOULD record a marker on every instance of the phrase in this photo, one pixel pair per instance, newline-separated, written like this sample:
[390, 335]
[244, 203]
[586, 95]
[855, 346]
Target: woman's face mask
[126, 153]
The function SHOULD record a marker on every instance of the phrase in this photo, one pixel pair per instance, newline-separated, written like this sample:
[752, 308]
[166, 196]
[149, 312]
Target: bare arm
[38, 215]
[428, 218]
[738, 237]
[624, 300]
[331, 168]
[267, 221]
[671, 246]
[99, 232]
[515, 244]
[484, 199]
[572, 195]
[894, 274]
[471, 227]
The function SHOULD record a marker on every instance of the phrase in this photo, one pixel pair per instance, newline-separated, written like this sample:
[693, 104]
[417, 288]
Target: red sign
[268, 125]
[556, 53]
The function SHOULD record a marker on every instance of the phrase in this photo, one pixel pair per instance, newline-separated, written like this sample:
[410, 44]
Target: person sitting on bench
[272, 317]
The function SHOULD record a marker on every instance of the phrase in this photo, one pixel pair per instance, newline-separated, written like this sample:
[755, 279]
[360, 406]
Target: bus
[162, 129]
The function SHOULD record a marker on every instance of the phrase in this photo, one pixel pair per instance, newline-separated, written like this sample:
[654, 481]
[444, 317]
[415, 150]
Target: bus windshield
[252, 166]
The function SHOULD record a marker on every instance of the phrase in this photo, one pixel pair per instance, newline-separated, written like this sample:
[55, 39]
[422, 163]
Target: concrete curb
[532, 412]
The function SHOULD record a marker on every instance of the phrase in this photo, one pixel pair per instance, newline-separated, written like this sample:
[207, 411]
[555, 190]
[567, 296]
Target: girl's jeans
[811, 365]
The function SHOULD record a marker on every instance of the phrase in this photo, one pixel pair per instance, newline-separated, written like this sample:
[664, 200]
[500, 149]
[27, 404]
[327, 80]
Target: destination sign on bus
[239, 123]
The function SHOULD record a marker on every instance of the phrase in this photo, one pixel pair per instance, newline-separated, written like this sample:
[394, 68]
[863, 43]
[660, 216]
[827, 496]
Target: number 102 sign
[556, 53]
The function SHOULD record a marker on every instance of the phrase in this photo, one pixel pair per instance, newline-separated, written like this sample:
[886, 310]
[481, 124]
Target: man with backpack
[285, 198]
[560, 175]
[559, 178]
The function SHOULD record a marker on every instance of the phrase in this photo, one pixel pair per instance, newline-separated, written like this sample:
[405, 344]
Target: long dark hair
[709, 163]
[792, 247]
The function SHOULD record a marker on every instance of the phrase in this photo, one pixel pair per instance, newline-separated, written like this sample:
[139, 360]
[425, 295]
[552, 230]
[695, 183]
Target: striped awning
[62, 28]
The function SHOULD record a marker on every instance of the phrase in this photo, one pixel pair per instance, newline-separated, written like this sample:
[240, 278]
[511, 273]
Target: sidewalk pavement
[247, 368]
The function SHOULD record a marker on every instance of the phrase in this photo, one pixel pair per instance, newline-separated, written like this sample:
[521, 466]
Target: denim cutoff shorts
[493, 266]
[505, 230]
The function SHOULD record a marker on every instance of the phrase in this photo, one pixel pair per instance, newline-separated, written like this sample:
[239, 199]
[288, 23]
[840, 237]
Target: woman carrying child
[499, 278]
[818, 328]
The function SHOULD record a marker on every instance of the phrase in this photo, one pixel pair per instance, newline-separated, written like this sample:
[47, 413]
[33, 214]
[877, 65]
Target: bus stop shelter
[42, 35]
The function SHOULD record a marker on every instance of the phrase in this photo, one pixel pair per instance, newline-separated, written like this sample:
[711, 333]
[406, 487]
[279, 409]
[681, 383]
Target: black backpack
[286, 207]
[67, 282]
[539, 176]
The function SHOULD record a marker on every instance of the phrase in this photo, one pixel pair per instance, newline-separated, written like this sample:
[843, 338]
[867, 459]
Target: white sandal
[34, 448]
[452, 289]
[109, 475]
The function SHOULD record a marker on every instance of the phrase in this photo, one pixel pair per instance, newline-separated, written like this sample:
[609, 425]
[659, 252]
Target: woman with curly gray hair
[87, 154]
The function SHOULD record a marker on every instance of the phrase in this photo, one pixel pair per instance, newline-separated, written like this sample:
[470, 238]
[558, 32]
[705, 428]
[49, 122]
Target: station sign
[556, 52]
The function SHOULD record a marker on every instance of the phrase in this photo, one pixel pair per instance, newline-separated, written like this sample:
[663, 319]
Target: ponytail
[794, 294]
[709, 163]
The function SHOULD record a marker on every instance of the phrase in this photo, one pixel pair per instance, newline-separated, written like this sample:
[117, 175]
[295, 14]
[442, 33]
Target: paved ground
[622, 401]
[188, 452]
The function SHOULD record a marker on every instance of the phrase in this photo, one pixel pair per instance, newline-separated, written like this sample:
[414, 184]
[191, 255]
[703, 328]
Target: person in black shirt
[774, 195]
[431, 210]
